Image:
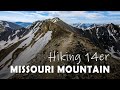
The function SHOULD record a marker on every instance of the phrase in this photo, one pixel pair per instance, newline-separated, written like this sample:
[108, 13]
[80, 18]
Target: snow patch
[28, 54]
[7, 25]
[111, 35]
[37, 25]
[97, 30]
[111, 52]
[4, 44]
[54, 20]
[17, 31]
[26, 42]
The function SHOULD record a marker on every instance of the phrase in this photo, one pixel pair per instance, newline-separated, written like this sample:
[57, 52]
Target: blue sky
[67, 16]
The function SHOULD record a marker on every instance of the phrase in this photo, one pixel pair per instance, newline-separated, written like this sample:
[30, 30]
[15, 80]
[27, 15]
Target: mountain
[56, 35]
[24, 49]
[23, 24]
[6, 24]
[84, 25]
[10, 33]
[106, 37]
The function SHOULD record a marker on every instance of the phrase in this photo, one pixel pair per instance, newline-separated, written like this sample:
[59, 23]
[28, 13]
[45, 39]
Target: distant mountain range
[85, 25]
[23, 24]
[32, 45]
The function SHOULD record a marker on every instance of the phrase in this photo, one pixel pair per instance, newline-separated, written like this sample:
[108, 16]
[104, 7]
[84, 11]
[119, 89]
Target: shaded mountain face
[106, 37]
[4, 26]
[10, 33]
[23, 24]
[11, 25]
[54, 35]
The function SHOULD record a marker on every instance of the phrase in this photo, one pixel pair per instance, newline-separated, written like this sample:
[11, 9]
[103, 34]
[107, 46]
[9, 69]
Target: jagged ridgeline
[32, 46]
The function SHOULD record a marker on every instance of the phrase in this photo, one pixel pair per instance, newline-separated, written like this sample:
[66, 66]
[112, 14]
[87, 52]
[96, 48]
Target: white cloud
[67, 16]
[113, 12]
[15, 19]
[75, 14]
[94, 15]
[63, 14]
[22, 16]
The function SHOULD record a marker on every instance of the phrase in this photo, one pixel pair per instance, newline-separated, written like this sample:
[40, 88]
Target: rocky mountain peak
[56, 19]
